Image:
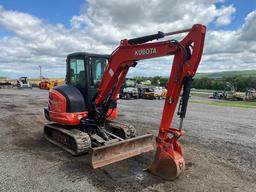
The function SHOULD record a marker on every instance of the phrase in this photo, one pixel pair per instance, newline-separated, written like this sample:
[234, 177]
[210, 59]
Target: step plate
[104, 155]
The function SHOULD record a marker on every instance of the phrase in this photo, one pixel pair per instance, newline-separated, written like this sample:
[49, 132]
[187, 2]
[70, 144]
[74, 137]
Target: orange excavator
[83, 111]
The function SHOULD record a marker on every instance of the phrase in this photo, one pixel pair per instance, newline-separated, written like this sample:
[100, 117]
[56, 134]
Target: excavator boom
[169, 161]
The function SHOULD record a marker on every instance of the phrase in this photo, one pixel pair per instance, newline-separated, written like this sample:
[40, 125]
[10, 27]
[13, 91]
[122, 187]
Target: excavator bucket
[169, 162]
[104, 155]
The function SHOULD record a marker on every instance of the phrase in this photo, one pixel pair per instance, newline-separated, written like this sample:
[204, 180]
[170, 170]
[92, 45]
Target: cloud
[248, 30]
[38, 43]
[109, 21]
[23, 24]
[231, 50]
[102, 24]
[225, 15]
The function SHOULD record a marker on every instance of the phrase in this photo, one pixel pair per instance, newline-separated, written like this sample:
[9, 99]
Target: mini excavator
[82, 113]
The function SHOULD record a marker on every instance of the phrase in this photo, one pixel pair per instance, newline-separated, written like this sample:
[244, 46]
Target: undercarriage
[115, 141]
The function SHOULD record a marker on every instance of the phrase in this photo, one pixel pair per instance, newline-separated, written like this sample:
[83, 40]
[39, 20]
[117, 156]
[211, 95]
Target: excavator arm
[169, 161]
[187, 54]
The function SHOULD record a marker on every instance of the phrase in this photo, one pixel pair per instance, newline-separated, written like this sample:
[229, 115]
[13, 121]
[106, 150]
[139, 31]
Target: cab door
[96, 69]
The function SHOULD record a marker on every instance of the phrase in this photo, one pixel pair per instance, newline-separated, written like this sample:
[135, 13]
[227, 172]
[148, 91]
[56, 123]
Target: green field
[204, 93]
[201, 92]
[215, 75]
[242, 104]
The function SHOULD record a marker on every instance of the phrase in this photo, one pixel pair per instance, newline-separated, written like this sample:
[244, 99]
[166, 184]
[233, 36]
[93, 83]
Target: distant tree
[241, 83]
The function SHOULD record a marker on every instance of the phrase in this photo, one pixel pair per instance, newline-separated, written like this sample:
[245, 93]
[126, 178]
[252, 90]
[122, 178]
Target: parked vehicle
[130, 93]
[22, 82]
[153, 93]
[47, 84]
[5, 84]
[217, 95]
[229, 93]
[250, 94]
[129, 90]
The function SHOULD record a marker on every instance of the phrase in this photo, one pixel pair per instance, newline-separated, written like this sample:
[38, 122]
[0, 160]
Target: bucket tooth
[104, 155]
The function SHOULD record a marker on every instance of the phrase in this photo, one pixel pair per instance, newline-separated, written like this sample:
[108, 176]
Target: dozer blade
[104, 155]
[168, 164]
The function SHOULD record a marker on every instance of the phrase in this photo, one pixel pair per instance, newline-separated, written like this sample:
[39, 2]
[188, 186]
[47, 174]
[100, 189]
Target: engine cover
[66, 105]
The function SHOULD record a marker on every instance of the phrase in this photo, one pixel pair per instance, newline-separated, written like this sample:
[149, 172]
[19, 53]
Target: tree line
[241, 83]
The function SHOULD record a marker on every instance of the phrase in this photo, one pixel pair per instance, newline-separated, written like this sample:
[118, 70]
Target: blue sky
[243, 7]
[52, 11]
[61, 11]
[43, 32]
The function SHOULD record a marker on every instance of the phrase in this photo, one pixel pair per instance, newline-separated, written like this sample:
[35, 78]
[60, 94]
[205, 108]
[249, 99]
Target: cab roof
[86, 54]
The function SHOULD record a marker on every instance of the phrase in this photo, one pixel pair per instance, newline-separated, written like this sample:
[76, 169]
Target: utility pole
[40, 71]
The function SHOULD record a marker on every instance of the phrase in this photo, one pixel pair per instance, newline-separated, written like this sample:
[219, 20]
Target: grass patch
[215, 75]
[198, 94]
[201, 92]
[241, 104]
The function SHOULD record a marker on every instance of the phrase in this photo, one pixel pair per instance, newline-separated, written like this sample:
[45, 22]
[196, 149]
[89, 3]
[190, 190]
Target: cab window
[77, 71]
[97, 69]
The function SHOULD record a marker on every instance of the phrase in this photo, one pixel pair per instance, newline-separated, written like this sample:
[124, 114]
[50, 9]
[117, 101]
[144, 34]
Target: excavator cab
[72, 101]
[85, 71]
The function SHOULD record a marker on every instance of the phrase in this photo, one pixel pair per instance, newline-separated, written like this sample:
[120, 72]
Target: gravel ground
[219, 147]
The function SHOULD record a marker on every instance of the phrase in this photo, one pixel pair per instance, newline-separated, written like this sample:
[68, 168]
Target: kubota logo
[145, 51]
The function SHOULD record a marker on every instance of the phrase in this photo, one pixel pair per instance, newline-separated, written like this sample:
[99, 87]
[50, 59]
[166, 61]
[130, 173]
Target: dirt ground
[219, 147]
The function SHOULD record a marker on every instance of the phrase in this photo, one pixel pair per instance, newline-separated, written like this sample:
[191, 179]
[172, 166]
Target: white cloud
[231, 50]
[249, 28]
[109, 21]
[225, 15]
[102, 24]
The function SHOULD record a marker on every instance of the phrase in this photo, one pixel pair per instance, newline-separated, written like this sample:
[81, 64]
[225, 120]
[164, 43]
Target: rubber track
[82, 139]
